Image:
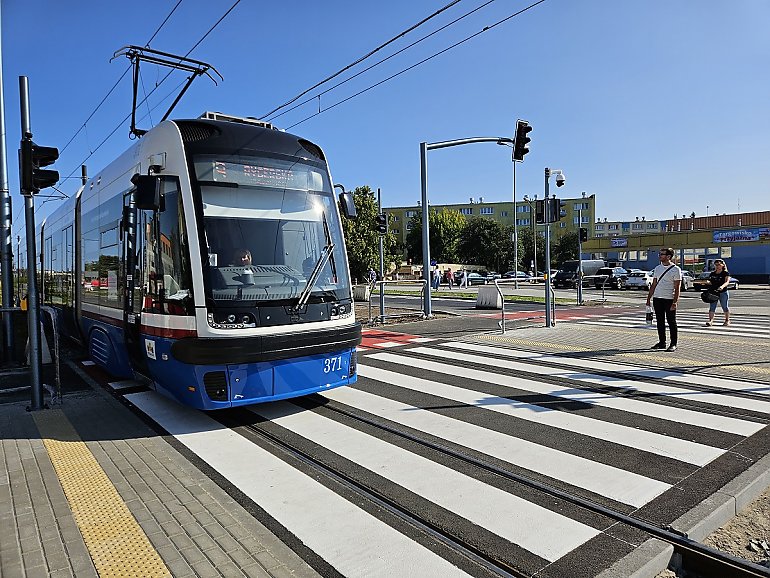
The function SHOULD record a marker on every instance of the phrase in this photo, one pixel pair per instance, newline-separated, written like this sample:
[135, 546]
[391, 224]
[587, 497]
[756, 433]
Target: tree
[362, 239]
[486, 243]
[446, 227]
[565, 248]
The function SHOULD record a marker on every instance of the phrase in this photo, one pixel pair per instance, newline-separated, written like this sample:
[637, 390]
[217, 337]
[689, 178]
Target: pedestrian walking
[436, 278]
[372, 276]
[463, 278]
[664, 294]
[718, 282]
[450, 278]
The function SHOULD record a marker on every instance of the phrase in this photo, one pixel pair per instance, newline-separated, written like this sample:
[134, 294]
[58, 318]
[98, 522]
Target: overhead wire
[120, 124]
[114, 86]
[368, 68]
[407, 69]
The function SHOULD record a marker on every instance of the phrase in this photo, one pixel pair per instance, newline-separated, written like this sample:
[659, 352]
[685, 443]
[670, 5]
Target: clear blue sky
[657, 107]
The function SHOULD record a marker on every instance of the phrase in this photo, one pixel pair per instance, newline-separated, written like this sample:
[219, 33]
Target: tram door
[135, 222]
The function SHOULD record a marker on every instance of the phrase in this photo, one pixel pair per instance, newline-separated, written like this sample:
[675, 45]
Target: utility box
[489, 298]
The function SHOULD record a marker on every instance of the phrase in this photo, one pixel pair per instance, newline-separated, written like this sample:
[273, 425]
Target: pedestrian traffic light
[583, 234]
[521, 142]
[540, 212]
[382, 224]
[555, 211]
[31, 160]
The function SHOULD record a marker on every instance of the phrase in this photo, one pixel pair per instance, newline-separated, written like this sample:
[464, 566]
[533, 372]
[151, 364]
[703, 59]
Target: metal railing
[55, 390]
[382, 317]
[499, 282]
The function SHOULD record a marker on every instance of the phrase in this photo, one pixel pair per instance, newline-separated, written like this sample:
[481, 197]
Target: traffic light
[382, 224]
[32, 159]
[540, 211]
[521, 142]
[555, 211]
[583, 234]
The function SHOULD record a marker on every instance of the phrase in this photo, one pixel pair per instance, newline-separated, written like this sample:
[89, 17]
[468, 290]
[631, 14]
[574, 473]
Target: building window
[562, 224]
[636, 226]
[466, 211]
[726, 252]
[409, 226]
[575, 220]
[395, 218]
[410, 214]
[523, 222]
[487, 211]
[581, 206]
[612, 227]
[522, 209]
[503, 213]
[599, 228]
[652, 225]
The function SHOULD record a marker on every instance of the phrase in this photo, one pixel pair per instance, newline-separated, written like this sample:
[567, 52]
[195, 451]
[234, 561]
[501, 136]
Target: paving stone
[205, 569]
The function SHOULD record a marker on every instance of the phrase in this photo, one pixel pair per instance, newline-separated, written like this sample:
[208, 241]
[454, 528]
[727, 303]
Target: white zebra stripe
[683, 450]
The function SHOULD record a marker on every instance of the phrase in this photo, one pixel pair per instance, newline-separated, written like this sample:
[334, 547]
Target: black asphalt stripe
[568, 442]
[649, 423]
[241, 422]
[641, 462]
[325, 407]
[588, 560]
[692, 491]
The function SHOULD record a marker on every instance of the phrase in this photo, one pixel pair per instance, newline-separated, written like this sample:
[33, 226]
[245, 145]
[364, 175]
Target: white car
[639, 280]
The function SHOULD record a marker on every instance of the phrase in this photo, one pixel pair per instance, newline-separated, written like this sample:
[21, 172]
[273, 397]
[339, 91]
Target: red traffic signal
[31, 160]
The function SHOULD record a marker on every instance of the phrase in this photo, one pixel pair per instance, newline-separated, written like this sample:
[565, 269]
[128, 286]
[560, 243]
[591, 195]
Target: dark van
[567, 275]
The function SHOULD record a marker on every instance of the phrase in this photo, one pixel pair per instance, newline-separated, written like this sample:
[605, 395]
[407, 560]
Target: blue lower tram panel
[210, 387]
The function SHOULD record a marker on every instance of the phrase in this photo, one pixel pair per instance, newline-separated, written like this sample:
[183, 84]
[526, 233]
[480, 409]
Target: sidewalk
[87, 489]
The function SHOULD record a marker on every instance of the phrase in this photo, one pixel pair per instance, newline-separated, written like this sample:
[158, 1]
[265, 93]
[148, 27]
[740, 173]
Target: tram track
[695, 557]
[488, 565]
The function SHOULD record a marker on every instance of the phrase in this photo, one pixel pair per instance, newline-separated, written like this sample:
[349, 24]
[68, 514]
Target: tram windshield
[271, 231]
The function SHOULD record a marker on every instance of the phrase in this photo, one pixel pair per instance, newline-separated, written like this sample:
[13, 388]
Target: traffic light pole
[33, 304]
[547, 272]
[580, 259]
[382, 263]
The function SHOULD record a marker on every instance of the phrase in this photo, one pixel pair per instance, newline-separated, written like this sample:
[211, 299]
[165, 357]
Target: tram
[208, 261]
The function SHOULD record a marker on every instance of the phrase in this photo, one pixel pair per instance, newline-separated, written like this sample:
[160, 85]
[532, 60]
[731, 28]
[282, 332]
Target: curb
[654, 555]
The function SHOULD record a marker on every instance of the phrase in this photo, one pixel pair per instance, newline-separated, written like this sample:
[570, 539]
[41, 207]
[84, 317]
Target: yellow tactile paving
[117, 544]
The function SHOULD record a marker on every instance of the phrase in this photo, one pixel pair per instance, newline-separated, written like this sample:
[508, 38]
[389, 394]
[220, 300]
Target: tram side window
[167, 276]
[109, 261]
[90, 280]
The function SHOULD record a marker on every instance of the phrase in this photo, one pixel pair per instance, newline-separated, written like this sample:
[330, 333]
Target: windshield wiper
[326, 252]
[326, 255]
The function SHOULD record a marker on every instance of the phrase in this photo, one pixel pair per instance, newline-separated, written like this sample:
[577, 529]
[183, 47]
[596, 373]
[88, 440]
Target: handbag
[708, 296]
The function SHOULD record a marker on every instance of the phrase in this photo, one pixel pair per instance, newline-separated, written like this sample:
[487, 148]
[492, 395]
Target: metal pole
[6, 240]
[534, 234]
[382, 264]
[425, 226]
[515, 234]
[33, 306]
[580, 260]
[547, 271]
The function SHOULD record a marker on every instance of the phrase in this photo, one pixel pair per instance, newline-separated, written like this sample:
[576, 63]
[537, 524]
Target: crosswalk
[631, 438]
[687, 321]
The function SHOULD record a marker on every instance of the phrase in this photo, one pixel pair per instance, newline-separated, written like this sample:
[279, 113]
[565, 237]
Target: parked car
[491, 276]
[567, 275]
[700, 283]
[476, 279]
[687, 281]
[520, 275]
[611, 277]
[639, 280]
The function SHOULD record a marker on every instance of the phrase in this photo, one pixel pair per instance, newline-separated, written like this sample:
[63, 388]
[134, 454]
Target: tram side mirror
[148, 195]
[348, 206]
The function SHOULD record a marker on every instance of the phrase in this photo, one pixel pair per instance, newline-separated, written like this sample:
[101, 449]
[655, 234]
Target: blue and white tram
[208, 260]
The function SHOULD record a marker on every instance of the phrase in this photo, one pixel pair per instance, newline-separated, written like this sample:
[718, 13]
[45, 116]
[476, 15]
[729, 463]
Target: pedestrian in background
[664, 294]
[718, 282]
[450, 278]
[436, 278]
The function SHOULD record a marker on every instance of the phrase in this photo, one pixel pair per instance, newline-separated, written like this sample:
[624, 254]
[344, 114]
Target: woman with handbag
[718, 282]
